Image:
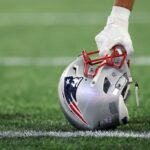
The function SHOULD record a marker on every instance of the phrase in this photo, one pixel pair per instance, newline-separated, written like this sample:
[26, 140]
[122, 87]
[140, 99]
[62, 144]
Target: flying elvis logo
[70, 89]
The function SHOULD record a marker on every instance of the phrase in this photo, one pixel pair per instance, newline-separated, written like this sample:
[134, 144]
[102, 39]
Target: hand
[115, 33]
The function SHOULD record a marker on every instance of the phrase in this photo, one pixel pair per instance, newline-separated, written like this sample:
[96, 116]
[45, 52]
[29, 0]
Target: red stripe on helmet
[78, 114]
[74, 104]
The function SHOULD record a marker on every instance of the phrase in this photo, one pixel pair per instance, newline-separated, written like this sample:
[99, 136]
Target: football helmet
[92, 91]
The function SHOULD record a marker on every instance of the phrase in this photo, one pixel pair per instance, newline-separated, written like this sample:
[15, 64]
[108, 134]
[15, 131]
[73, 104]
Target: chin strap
[136, 85]
[137, 93]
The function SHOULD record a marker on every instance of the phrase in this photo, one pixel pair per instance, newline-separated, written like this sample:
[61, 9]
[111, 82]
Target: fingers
[106, 47]
[128, 46]
[105, 43]
[111, 37]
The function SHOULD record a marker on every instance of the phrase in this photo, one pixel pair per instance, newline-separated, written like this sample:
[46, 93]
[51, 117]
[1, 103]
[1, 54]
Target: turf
[75, 143]
[28, 95]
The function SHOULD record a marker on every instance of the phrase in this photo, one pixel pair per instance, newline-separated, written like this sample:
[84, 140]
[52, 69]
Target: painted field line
[42, 61]
[58, 61]
[68, 18]
[98, 134]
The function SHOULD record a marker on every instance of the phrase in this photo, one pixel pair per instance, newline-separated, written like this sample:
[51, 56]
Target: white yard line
[42, 61]
[98, 134]
[68, 18]
[58, 61]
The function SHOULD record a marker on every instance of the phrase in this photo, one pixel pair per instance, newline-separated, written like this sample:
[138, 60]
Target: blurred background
[35, 35]
[38, 28]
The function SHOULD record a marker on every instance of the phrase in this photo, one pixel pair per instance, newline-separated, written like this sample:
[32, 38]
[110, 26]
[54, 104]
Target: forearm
[116, 29]
[124, 3]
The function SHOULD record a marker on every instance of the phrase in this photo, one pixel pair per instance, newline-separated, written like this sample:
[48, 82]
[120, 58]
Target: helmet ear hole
[106, 85]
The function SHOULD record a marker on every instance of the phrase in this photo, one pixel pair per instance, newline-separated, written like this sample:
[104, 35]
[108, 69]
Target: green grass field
[28, 94]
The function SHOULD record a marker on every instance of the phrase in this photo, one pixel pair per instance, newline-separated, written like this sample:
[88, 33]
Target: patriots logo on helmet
[70, 89]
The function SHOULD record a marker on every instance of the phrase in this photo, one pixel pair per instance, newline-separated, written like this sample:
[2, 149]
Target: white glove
[115, 32]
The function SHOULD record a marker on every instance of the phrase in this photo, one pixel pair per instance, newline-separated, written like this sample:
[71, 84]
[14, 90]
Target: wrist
[120, 17]
[120, 12]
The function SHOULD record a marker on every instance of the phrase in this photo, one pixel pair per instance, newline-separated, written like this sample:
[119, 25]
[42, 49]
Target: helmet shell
[94, 103]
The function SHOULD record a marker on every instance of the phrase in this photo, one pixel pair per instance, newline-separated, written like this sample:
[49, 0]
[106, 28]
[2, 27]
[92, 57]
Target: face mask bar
[115, 60]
